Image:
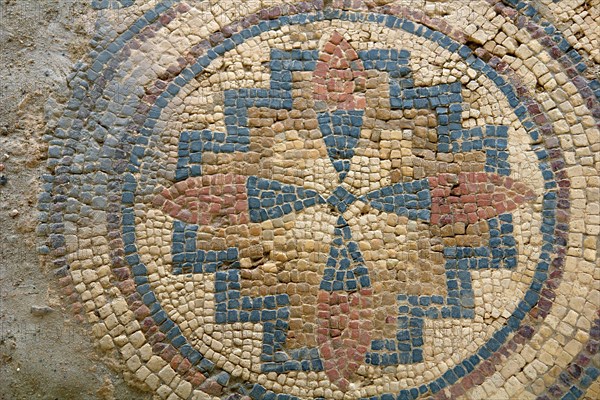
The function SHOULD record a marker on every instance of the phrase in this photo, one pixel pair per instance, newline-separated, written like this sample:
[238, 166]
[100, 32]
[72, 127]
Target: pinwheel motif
[344, 326]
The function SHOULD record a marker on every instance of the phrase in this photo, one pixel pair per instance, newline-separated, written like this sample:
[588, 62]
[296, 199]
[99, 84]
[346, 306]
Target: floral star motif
[345, 301]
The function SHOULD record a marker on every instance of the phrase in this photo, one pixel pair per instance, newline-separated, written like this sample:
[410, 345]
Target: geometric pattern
[345, 270]
[101, 216]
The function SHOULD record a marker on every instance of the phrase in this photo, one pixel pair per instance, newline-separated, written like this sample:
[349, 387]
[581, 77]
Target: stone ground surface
[85, 332]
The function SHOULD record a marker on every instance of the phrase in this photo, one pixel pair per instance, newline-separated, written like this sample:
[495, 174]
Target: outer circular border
[169, 327]
[89, 80]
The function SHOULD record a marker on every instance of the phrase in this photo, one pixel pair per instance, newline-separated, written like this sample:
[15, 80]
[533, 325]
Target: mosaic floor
[338, 200]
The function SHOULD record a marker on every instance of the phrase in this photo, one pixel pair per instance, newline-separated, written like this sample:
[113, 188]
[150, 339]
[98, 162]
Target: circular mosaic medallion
[307, 204]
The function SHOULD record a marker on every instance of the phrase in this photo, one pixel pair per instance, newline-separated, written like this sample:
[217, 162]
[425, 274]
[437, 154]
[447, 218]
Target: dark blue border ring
[549, 199]
[114, 4]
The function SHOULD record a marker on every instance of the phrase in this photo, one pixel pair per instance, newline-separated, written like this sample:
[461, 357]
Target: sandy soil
[43, 354]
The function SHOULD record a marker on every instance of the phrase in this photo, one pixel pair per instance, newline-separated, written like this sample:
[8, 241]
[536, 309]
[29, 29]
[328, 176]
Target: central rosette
[349, 206]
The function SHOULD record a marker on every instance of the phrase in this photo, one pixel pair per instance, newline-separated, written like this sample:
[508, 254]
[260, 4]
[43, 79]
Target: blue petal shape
[341, 131]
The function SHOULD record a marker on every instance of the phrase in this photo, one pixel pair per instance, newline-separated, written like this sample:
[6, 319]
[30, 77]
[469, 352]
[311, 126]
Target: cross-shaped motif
[468, 197]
